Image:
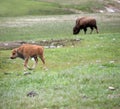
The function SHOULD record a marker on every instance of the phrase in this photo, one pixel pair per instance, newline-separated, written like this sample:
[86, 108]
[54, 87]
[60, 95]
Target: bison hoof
[27, 73]
[30, 68]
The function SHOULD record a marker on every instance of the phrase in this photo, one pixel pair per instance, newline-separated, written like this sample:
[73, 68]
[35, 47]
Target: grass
[77, 87]
[78, 77]
[51, 7]
[31, 7]
[29, 28]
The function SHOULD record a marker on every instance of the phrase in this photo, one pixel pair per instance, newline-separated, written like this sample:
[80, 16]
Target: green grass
[76, 87]
[37, 28]
[41, 30]
[51, 7]
[78, 77]
[31, 7]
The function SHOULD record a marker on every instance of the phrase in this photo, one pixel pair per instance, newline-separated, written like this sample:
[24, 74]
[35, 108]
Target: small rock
[6, 73]
[111, 88]
[111, 62]
[32, 94]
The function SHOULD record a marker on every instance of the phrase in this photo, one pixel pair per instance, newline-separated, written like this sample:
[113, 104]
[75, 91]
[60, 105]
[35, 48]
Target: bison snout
[74, 33]
[12, 57]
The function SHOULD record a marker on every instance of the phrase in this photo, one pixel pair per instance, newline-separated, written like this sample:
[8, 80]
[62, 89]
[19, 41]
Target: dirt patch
[46, 43]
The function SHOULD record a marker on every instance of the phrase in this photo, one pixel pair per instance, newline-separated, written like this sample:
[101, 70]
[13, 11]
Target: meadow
[78, 76]
[84, 75]
[12, 8]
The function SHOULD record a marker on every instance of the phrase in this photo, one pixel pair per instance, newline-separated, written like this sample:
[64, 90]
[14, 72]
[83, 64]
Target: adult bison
[84, 23]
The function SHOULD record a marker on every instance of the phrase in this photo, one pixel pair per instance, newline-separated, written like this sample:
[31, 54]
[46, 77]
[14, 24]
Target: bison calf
[27, 51]
[84, 23]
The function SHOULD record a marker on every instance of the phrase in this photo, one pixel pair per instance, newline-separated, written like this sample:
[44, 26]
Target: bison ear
[20, 49]
[77, 22]
[15, 50]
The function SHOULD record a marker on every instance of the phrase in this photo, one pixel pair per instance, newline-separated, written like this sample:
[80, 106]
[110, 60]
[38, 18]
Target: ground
[82, 74]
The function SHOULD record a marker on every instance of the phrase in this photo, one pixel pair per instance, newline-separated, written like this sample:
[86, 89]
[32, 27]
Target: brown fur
[27, 51]
[84, 23]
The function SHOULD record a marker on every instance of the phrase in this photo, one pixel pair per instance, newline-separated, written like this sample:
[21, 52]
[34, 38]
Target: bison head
[14, 54]
[76, 30]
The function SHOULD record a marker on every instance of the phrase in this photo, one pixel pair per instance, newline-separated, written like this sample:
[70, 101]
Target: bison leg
[26, 63]
[42, 59]
[85, 29]
[96, 29]
[91, 30]
[36, 61]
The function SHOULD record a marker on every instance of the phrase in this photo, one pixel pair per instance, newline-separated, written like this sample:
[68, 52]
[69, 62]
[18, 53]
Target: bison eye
[13, 53]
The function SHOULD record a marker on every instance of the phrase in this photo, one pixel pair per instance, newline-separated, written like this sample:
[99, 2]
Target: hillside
[56, 7]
